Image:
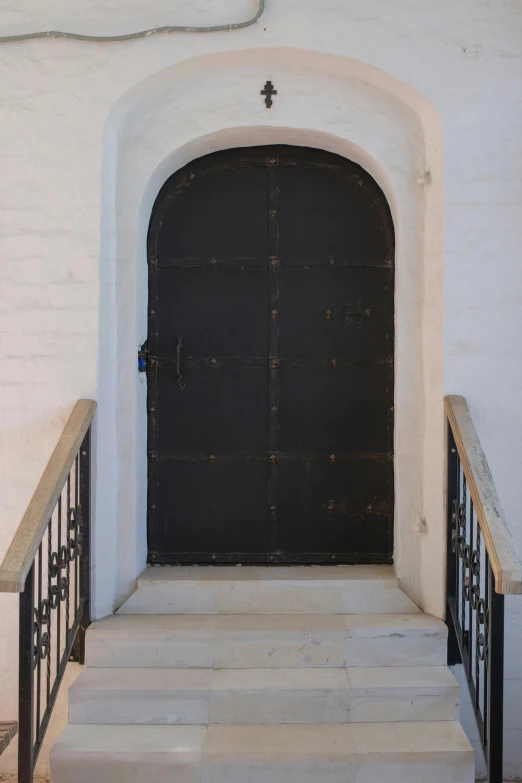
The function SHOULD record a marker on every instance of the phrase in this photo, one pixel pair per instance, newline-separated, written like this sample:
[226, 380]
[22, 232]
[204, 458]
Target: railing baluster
[66, 555]
[495, 676]
[452, 489]
[38, 660]
[470, 588]
[76, 532]
[85, 532]
[58, 560]
[476, 558]
[485, 699]
[26, 682]
[49, 609]
[462, 553]
[457, 555]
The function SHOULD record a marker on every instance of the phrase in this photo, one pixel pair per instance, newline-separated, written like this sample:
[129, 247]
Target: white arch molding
[323, 101]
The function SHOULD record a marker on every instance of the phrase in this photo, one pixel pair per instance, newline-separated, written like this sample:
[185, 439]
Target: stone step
[266, 641]
[274, 590]
[201, 696]
[324, 753]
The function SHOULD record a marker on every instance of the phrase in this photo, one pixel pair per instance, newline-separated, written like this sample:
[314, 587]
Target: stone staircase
[245, 674]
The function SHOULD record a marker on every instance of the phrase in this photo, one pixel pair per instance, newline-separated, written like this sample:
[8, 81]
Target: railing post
[85, 559]
[452, 490]
[495, 658]
[26, 681]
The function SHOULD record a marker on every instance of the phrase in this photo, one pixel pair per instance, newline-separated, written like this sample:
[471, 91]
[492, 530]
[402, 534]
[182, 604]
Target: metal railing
[48, 563]
[483, 564]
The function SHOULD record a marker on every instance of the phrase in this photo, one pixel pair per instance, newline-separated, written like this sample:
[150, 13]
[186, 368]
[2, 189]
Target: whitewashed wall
[88, 132]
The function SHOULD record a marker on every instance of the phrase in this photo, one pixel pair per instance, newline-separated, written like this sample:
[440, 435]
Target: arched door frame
[352, 109]
[360, 520]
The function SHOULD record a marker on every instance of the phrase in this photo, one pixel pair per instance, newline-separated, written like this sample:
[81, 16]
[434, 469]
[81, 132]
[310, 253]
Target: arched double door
[270, 362]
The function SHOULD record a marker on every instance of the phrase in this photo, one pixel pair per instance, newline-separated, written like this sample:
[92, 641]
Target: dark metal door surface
[270, 362]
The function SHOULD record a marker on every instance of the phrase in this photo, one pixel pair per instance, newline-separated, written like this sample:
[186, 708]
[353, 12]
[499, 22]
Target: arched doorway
[270, 362]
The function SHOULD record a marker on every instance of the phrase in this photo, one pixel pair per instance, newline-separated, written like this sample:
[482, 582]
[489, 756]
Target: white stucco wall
[89, 132]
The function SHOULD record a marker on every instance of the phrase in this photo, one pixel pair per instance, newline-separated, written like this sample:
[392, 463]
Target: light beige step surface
[128, 754]
[261, 641]
[267, 590]
[239, 675]
[192, 696]
[325, 753]
[140, 696]
[403, 693]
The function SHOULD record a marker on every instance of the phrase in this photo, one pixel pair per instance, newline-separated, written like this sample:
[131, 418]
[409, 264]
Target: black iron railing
[49, 564]
[482, 564]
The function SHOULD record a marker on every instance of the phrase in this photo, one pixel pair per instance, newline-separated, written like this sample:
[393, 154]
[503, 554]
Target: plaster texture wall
[88, 134]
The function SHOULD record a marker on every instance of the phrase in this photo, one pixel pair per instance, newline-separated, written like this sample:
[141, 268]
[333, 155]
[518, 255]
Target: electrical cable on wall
[141, 34]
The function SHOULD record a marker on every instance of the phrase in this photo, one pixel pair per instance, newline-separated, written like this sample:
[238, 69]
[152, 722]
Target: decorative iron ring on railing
[44, 645]
[475, 596]
[79, 542]
[54, 596]
[64, 588]
[45, 611]
[482, 640]
[466, 588]
[45, 619]
[59, 590]
[54, 565]
[41, 644]
[480, 646]
[36, 642]
[71, 549]
[71, 518]
[72, 546]
[64, 556]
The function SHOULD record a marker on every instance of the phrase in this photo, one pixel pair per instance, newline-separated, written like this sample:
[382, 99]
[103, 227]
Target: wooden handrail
[502, 550]
[24, 546]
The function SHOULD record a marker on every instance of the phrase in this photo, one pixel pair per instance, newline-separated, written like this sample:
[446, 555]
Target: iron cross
[268, 92]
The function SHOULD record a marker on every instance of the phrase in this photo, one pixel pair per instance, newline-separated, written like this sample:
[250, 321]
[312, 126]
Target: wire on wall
[141, 34]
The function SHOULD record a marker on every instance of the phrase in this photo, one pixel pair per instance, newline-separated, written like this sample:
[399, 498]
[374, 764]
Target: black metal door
[270, 362]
